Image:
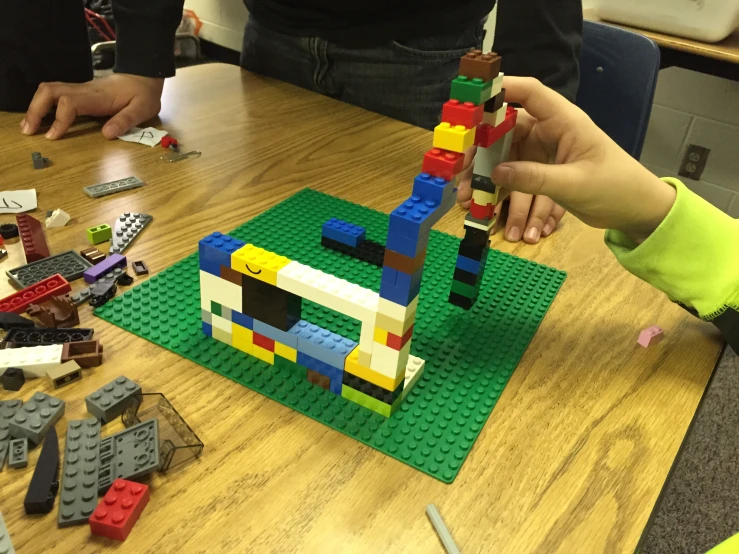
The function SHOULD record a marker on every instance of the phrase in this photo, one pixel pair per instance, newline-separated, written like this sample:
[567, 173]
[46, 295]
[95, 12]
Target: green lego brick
[215, 308]
[474, 90]
[99, 234]
[469, 355]
[368, 402]
[464, 289]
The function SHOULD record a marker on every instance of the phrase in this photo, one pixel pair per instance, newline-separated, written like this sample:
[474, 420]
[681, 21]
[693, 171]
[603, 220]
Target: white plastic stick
[441, 530]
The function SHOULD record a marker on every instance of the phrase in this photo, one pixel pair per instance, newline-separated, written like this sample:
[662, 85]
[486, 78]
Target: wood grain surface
[725, 50]
[572, 458]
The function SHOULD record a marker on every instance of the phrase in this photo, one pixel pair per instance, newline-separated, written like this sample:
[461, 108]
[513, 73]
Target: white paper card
[149, 136]
[17, 201]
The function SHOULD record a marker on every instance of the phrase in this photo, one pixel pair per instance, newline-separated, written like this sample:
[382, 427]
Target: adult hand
[130, 99]
[591, 176]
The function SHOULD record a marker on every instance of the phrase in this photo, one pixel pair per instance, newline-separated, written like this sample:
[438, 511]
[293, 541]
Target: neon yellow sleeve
[693, 256]
[729, 546]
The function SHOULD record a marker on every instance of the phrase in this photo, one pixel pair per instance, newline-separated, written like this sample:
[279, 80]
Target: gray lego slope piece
[104, 189]
[79, 490]
[36, 417]
[69, 264]
[126, 229]
[7, 411]
[6, 547]
[109, 401]
[18, 456]
[129, 454]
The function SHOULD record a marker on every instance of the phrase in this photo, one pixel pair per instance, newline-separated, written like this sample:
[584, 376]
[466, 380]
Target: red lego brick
[32, 237]
[396, 342]
[168, 141]
[486, 135]
[264, 342]
[17, 302]
[476, 64]
[442, 163]
[119, 510]
[482, 212]
[456, 113]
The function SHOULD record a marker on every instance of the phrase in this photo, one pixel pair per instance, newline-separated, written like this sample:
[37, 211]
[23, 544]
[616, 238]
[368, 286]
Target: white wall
[223, 21]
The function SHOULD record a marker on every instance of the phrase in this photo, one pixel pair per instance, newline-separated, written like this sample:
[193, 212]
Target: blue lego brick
[215, 251]
[430, 188]
[207, 329]
[322, 344]
[467, 264]
[400, 287]
[334, 374]
[244, 320]
[412, 218]
[284, 337]
[344, 232]
[407, 246]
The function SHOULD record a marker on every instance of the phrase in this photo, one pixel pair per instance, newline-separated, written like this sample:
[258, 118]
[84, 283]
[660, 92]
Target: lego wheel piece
[8, 230]
[489, 340]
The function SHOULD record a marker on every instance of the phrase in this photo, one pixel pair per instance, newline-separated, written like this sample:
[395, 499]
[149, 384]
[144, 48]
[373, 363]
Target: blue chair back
[618, 75]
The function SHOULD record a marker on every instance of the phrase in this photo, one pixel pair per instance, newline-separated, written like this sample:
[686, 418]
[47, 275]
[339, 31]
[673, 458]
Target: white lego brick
[221, 323]
[388, 361]
[497, 85]
[413, 371]
[327, 290]
[219, 290]
[35, 361]
[397, 311]
[366, 338]
[487, 158]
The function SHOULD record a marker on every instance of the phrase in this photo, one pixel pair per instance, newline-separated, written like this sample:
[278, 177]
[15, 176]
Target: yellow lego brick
[395, 326]
[353, 366]
[285, 351]
[258, 263]
[380, 335]
[456, 139]
[242, 338]
[221, 335]
[482, 197]
[263, 354]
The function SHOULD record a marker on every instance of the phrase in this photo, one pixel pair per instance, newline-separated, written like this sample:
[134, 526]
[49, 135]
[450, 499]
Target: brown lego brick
[32, 237]
[231, 275]
[403, 263]
[476, 64]
[318, 379]
[55, 312]
[88, 353]
[93, 255]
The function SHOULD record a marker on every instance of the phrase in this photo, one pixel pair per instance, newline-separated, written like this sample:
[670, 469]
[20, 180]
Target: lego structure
[251, 298]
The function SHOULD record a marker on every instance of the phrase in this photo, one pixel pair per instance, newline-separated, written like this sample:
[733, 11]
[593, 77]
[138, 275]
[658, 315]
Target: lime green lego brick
[215, 308]
[464, 289]
[99, 234]
[474, 90]
[368, 402]
[469, 355]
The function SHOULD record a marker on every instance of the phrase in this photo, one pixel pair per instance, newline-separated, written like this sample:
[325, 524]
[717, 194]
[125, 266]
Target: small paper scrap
[17, 201]
[149, 136]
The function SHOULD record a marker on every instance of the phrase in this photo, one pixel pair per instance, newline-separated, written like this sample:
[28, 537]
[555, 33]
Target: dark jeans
[406, 80]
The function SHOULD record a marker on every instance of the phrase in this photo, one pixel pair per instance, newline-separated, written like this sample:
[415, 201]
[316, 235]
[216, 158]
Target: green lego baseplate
[470, 355]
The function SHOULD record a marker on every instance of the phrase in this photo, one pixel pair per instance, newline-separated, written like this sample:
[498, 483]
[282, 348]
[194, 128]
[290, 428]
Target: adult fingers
[43, 100]
[128, 117]
[518, 212]
[464, 188]
[68, 107]
[553, 180]
[554, 218]
[540, 210]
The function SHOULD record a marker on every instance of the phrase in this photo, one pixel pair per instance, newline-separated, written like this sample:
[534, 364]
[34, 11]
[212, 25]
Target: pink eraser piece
[650, 335]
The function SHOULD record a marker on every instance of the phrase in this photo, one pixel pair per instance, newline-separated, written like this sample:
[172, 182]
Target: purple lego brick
[110, 263]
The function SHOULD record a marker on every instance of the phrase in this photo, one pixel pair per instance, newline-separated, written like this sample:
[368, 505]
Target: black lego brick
[473, 251]
[41, 336]
[10, 320]
[13, 379]
[45, 481]
[480, 182]
[369, 251]
[473, 235]
[370, 389]
[461, 301]
[465, 277]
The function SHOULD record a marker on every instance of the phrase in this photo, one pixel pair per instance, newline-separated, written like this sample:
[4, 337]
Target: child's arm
[658, 229]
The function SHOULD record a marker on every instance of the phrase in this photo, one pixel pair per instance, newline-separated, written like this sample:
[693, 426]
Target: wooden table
[719, 58]
[572, 458]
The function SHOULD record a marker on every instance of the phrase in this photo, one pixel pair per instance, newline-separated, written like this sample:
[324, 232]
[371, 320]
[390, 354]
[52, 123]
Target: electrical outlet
[694, 162]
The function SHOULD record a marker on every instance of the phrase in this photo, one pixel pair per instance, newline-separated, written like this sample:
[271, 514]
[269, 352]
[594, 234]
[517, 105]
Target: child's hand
[591, 176]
